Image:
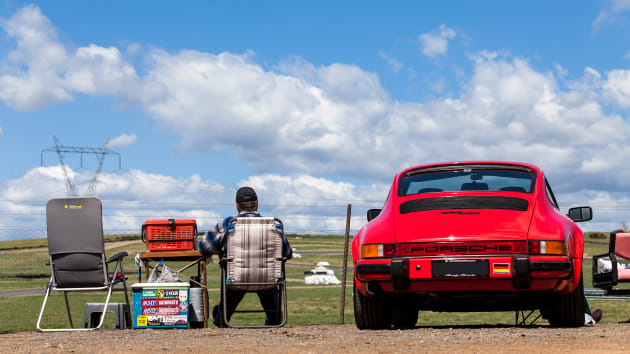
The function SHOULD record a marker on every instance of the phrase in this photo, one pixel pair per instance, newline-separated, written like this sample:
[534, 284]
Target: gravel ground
[320, 339]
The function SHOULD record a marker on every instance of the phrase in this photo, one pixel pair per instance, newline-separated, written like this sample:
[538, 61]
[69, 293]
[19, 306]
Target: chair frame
[280, 285]
[108, 285]
[607, 280]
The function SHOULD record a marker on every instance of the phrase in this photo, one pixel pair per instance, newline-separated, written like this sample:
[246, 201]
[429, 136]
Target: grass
[22, 266]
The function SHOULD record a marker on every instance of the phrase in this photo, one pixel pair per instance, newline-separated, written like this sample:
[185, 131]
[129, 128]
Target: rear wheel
[405, 311]
[568, 310]
[372, 312]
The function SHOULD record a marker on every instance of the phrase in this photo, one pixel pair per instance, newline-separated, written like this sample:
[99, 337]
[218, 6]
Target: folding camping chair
[606, 273]
[77, 254]
[252, 262]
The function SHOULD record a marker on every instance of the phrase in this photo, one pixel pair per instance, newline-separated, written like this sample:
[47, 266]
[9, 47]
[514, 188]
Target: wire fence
[126, 217]
[27, 218]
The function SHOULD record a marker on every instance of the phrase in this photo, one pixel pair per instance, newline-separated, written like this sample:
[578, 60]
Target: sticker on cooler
[168, 302]
[160, 302]
[172, 320]
[501, 268]
[148, 303]
[171, 293]
[155, 320]
[183, 306]
[160, 311]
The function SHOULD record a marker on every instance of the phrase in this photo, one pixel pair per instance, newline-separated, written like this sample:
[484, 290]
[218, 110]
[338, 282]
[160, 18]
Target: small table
[193, 256]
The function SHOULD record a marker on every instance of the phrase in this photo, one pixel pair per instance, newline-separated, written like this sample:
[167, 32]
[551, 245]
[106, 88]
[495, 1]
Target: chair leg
[285, 314]
[223, 321]
[65, 296]
[41, 312]
[109, 294]
[127, 314]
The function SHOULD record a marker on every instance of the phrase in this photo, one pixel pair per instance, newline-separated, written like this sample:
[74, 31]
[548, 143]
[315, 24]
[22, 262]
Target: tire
[372, 312]
[405, 311]
[568, 310]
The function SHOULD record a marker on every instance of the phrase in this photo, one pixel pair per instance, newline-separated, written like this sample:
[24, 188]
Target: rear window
[467, 179]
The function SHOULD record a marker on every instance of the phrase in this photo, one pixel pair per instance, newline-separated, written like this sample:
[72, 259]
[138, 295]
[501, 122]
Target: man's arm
[214, 240]
[287, 251]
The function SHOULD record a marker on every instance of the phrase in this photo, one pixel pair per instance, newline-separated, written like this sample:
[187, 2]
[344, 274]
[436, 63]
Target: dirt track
[319, 339]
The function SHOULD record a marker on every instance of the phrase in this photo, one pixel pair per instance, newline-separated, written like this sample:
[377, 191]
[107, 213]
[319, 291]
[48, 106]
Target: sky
[316, 105]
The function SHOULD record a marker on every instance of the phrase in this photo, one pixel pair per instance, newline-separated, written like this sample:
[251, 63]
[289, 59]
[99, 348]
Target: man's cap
[246, 194]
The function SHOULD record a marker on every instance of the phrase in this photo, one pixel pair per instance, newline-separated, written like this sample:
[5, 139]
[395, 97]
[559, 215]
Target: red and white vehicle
[469, 236]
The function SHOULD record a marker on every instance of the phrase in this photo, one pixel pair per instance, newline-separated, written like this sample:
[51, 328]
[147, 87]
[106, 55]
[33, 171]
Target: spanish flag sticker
[501, 268]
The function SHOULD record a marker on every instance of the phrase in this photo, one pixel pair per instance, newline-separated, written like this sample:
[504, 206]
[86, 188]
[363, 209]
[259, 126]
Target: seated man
[214, 242]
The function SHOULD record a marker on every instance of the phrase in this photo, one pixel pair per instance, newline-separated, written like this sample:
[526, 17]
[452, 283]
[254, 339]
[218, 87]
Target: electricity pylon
[100, 153]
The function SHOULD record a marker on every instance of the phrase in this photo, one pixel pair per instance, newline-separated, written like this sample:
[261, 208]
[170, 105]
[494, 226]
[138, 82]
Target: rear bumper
[504, 273]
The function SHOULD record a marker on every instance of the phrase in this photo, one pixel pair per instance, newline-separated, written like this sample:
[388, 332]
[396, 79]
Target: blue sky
[315, 104]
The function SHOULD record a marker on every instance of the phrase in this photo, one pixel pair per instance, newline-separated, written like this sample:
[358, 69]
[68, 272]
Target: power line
[108, 203]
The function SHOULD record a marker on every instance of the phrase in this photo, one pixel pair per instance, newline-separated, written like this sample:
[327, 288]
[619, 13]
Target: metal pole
[345, 266]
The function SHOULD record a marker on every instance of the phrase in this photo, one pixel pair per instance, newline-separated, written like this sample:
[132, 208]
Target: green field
[22, 266]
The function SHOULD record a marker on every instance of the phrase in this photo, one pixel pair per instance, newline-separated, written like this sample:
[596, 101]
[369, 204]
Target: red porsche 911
[469, 236]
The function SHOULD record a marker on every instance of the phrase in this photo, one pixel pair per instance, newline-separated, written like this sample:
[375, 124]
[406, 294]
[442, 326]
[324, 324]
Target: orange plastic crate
[169, 234]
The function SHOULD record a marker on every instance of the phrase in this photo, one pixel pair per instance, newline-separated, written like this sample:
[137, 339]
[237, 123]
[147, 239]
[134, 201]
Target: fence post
[345, 266]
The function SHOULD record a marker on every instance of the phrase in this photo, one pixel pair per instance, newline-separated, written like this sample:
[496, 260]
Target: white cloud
[39, 51]
[610, 210]
[394, 64]
[562, 72]
[337, 120]
[41, 72]
[97, 70]
[1, 132]
[412, 73]
[304, 203]
[436, 43]
[123, 140]
[611, 12]
[128, 199]
[134, 48]
[617, 88]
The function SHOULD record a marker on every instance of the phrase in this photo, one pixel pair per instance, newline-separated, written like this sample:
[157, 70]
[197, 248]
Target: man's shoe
[597, 315]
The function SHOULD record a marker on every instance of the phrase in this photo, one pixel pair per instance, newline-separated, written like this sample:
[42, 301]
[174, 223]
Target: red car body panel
[465, 234]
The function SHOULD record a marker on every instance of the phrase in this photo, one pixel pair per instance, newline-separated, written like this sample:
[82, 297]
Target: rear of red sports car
[474, 236]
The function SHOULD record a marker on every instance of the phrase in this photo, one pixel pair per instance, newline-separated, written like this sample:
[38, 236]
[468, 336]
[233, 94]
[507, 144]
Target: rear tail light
[548, 247]
[385, 250]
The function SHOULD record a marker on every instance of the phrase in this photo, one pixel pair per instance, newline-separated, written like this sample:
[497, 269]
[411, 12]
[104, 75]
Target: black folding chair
[77, 254]
[253, 262]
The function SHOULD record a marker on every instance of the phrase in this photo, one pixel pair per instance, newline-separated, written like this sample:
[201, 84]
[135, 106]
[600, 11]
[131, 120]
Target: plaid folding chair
[253, 262]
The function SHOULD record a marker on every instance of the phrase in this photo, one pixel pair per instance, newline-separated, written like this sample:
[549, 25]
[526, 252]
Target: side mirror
[372, 213]
[579, 214]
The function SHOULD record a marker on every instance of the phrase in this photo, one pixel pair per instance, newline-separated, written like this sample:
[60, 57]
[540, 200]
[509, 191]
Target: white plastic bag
[166, 276]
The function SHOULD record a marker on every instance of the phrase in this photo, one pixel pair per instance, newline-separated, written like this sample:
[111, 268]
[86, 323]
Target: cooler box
[160, 305]
[169, 234]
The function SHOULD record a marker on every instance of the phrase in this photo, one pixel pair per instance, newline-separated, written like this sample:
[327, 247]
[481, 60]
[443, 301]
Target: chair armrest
[605, 280]
[118, 256]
